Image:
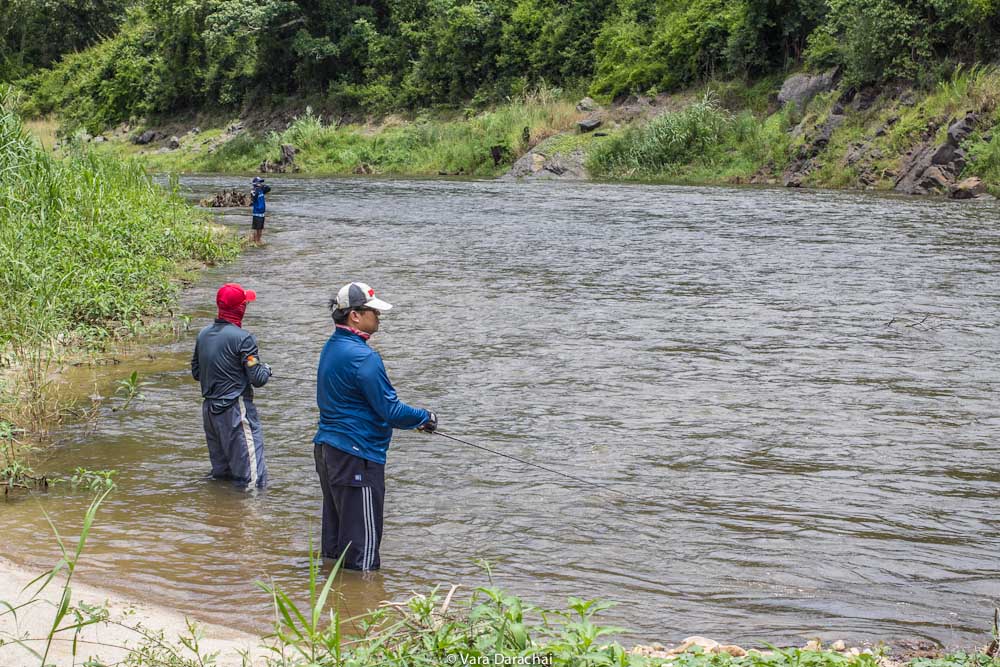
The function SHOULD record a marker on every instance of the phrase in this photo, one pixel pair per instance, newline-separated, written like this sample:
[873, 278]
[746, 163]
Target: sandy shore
[107, 640]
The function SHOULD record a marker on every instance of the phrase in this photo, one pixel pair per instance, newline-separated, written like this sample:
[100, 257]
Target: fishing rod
[586, 482]
[541, 467]
[581, 480]
[498, 453]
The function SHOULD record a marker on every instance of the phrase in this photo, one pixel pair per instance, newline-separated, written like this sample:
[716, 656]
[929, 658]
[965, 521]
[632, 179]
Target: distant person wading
[227, 364]
[259, 189]
[358, 408]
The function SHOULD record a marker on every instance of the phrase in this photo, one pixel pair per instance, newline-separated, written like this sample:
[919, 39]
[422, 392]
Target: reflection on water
[794, 390]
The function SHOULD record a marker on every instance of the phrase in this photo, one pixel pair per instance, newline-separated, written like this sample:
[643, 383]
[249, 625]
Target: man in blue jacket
[358, 408]
[227, 364]
[259, 189]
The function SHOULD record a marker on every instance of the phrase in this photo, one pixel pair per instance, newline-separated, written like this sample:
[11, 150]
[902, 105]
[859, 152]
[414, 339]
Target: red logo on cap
[371, 292]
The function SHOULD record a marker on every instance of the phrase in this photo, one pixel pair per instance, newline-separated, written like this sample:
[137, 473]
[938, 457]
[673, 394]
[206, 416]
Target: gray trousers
[236, 443]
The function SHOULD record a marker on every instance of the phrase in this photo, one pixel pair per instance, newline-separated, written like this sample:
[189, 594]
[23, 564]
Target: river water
[794, 389]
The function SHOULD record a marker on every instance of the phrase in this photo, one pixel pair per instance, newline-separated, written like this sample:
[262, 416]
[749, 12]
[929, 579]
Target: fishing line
[541, 467]
[585, 482]
[657, 527]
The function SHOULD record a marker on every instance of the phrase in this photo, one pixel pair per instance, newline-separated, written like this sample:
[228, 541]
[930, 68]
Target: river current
[791, 391]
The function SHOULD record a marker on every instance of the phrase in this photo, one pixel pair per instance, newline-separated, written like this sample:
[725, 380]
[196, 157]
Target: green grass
[89, 245]
[700, 143]
[87, 241]
[717, 133]
[425, 145]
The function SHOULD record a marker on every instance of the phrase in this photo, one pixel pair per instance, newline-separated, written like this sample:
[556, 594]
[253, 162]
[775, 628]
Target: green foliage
[235, 36]
[128, 389]
[545, 40]
[426, 146]
[95, 481]
[87, 241]
[665, 44]
[162, 56]
[15, 472]
[111, 82]
[68, 619]
[958, 659]
[36, 34]
[457, 52]
[702, 138]
[881, 40]
[621, 50]
[984, 158]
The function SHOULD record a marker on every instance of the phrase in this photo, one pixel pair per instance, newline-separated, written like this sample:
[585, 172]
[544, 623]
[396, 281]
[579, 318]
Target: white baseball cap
[356, 295]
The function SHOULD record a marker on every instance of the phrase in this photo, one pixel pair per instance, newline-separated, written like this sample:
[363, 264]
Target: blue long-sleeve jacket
[358, 408]
[227, 364]
[257, 196]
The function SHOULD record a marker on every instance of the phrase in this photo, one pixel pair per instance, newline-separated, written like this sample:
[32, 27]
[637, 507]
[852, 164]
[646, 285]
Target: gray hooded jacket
[227, 363]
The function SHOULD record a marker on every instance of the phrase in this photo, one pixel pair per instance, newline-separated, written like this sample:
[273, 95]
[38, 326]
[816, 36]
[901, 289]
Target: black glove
[430, 425]
[267, 367]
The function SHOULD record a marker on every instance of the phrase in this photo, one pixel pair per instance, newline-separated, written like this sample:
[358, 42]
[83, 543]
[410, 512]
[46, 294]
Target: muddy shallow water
[794, 390]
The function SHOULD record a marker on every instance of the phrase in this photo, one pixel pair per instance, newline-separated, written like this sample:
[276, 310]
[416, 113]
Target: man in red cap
[228, 365]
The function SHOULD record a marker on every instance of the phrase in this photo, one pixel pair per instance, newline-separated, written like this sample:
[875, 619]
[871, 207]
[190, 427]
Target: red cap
[232, 295]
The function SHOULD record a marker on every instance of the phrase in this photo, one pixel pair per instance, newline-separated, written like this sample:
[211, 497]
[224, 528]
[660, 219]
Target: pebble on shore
[711, 646]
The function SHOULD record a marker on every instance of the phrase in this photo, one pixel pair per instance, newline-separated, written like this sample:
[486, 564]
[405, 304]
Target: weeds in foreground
[76, 617]
[15, 473]
[491, 627]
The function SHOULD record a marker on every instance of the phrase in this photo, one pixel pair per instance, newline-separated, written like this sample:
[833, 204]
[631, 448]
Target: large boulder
[538, 165]
[968, 188]
[147, 137]
[798, 89]
[936, 179]
[961, 129]
[914, 166]
[586, 104]
[173, 143]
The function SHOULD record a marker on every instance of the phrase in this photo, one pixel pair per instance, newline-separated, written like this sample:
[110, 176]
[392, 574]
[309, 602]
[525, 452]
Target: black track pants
[353, 495]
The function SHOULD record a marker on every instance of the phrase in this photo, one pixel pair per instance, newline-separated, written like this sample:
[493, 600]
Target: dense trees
[36, 33]
[121, 58]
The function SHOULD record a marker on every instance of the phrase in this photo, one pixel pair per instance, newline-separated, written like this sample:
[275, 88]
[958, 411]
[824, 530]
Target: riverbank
[94, 253]
[140, 632]
[130, 624]
[803, 131]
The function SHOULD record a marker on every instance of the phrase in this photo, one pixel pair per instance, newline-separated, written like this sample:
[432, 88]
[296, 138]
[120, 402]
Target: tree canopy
[108, 60]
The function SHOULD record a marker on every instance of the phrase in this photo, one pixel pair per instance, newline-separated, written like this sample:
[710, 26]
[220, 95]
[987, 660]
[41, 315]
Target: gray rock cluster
[805, 159]
[931, 169]
[706, 645]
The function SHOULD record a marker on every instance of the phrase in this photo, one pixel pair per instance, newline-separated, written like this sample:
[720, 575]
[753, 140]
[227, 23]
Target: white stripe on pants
[251, 448]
